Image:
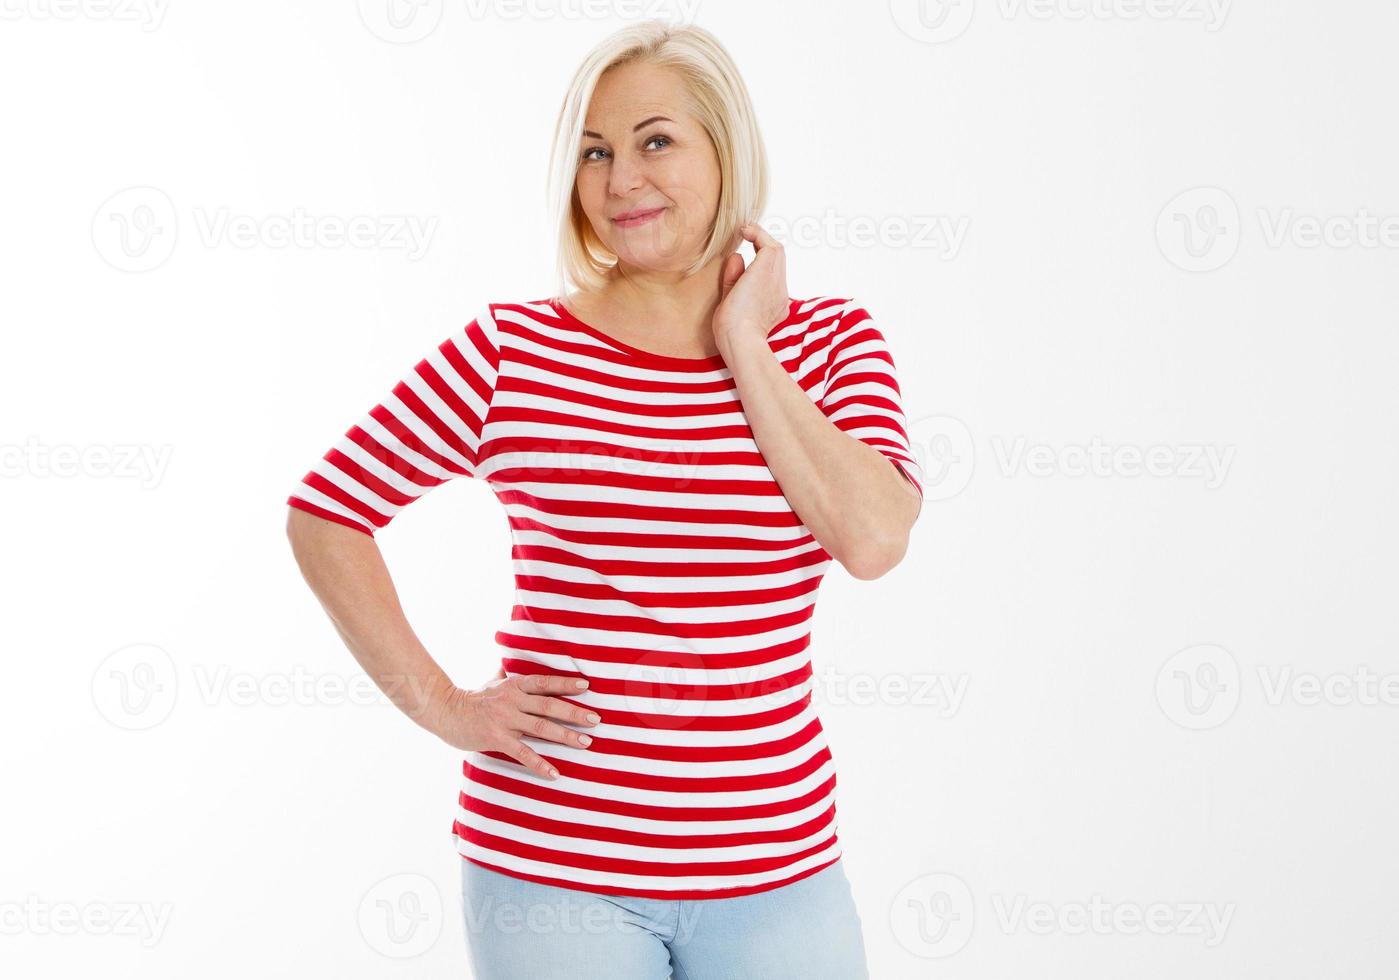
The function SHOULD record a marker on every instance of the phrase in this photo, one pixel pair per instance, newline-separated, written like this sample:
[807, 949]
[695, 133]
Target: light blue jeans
[524, 930]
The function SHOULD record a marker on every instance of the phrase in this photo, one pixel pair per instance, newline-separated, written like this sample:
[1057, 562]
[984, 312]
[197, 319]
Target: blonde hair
[717, 98]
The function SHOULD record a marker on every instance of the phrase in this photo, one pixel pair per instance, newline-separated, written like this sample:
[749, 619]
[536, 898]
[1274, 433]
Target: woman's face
[642, 152]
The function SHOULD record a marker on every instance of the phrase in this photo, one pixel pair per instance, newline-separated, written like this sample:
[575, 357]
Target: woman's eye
[588, 153]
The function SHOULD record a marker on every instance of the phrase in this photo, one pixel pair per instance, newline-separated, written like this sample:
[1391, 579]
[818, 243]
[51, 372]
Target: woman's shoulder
[827, 303]
[537, 305]
[494, 314]
[821, 312]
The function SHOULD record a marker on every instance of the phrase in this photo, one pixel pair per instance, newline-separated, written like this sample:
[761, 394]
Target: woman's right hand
[493, 717]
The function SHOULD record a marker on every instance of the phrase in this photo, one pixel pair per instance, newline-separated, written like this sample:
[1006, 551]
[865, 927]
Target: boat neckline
[710, 363]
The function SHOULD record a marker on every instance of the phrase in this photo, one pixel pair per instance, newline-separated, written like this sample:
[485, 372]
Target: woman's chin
[653, 260]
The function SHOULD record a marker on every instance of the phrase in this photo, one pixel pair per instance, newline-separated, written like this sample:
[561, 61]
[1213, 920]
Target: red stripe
[627, 655]
[670, 600]
[638, 539]
[535, 788]
[614, 835]
[311, 508]
[628, 866]
[642, 512]
[694, 894]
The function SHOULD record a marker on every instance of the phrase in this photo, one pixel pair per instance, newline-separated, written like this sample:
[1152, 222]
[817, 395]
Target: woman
[682, 450]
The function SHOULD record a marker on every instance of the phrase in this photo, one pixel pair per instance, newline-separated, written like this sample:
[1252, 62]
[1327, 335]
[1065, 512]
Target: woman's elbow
[874, 558]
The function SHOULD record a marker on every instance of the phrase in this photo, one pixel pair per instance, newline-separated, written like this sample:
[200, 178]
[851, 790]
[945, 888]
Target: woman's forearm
[346, 570]
[854, 501]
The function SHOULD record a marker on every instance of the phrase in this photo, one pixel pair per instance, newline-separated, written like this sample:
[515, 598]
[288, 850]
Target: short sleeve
[424, 432]
[862, 395]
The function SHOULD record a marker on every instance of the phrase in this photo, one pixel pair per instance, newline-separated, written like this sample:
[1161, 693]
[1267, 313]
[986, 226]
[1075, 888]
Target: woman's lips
[638, 218]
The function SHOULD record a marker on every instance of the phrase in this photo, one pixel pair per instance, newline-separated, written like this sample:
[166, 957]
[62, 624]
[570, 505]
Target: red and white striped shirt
[655, 556]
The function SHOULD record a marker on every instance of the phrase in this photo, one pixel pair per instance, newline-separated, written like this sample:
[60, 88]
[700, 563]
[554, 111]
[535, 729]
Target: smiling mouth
[637, 217]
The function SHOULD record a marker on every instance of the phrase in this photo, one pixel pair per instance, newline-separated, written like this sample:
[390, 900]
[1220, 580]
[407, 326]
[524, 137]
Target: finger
[758, 235]
[732, 271]
[768, 256]
[537, 726]
[552, 684]
[531, 759]
[556, 708]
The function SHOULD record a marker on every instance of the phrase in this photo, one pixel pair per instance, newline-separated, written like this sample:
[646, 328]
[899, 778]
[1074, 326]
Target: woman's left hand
[752, 300]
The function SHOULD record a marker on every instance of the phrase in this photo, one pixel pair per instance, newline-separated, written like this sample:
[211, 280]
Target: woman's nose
[624, 177]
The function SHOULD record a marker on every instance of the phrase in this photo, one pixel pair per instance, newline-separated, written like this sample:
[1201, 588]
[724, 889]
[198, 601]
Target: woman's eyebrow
[643, 123]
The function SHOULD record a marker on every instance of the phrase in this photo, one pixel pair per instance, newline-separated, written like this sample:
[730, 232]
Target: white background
[1133, 651]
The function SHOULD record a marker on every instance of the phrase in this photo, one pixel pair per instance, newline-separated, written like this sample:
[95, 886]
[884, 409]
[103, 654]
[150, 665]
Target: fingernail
[593, 717]
[580, 684]
[553, 774]
[585, 739]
